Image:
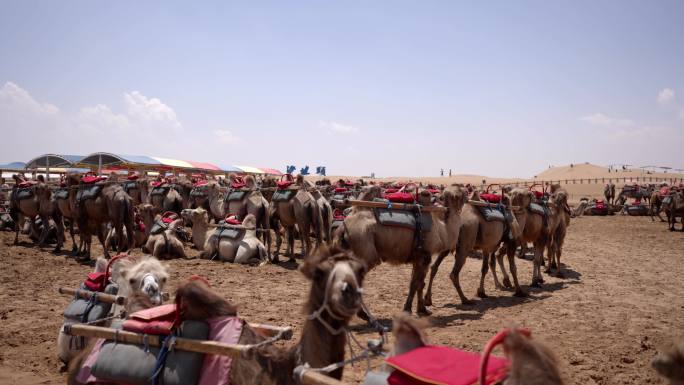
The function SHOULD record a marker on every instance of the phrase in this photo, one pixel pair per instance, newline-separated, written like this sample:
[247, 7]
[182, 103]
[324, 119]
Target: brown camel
[559, 220]
[375, 243]
[29, 200]
[238, 245]
[110, 204]
[334, 298]
[476, 234]
[669, 362]
[65, 204]
[674, 207]
[165, 197]
[295, 206]
[163, 241]
[242, 200]
[609, 193]
[140, 232]
[532, 230]
[138, 189]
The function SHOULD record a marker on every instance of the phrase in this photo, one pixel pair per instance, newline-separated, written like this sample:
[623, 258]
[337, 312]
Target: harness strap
[167, 346]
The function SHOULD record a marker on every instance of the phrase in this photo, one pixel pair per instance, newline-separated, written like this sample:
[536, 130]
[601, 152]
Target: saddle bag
[159, 190]
[82, 310]
[637, 210]
[283, 195]
[537, 209]
[62, 194]
[24, 193]
[158, 320]
[236, 195]
[130, 185]
[491, 214]
[135, 365]
[229, 232]
[88, 192]
[403, 218]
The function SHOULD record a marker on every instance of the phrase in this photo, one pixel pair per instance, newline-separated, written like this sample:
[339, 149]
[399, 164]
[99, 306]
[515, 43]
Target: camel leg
[433, 272]
[60, 233]
[421, 272]
[485, 267]
[103, 242]
[290, 243]
[17, 227]
[519, 292]
[278, 239]
[537, 279]
[492, 267]
[458, 265]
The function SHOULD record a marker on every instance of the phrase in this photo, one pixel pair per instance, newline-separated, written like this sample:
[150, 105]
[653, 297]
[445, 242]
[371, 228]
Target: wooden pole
[101, 297]
[404, 206]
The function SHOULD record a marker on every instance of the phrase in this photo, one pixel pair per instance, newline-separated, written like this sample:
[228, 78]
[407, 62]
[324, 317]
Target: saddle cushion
[95, 281]
[443, 365]
[400, 197]
[340, 190]
[403, 218]
[88, 192]
[491, 214]
[131, 364]
[27, 183]
[537, 209]
[492, 198]
[637, 209]
[133, 177]
[236, 195]
[158, 227]
[391, 190]
[130, 185]
[538, 194]
[62, 193]
[159, 189]
[283, 195]
[228, 231]
[158, 320]
[79, 307]
[216, 369]
[24, 193]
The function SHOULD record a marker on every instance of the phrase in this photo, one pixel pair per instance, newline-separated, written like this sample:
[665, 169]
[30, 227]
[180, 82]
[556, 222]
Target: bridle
[325, 306]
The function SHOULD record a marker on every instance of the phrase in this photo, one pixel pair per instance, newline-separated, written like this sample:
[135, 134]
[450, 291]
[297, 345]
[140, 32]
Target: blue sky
[499, 88]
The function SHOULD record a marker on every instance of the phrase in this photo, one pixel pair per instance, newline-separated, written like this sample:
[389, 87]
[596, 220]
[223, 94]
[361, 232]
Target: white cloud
[599, 119]
[226, 137]
[150, 110]
[17, 99]
[665, 96]
[338, 127]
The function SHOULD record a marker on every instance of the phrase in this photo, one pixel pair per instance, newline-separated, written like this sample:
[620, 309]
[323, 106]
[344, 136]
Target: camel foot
[547, 270]
[481, 293]
[423, 312]
[428, 300]
[560, 275]
[553, 266]
[56, 250]
[467, 302]
[536, 283]
[520, 293]
[507, 283]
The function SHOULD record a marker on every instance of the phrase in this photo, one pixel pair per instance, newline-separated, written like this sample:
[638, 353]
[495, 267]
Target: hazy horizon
[395, 88]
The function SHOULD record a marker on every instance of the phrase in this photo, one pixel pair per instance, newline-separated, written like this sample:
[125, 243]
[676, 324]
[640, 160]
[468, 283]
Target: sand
[622, 297]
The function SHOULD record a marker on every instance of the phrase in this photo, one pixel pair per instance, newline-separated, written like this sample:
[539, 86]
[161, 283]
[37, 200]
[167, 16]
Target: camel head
[369, 193]
[560, 197]
[522, 197]
[532, 363]
[147, 212]
[198, 301]
[669, 362]
[249, 221]
[250, 182]
[408, 333]
[336, 282]
[145, 276]
[198, 215]
[455, 197]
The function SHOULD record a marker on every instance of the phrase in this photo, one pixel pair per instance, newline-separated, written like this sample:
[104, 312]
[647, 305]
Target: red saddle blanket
[89, 179]
[400, 197]
[133, 177]
[538, 194]
[489, 197]
[283, 184]
[443, 365]
[340, 190]
[27, 183]
[158, 320]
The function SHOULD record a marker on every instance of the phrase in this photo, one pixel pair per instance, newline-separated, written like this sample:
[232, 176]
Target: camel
[656, 205]
[29, 200]
[675, 208]
[239, 245]
[559, 220]
[245, 198]
[140, 231]
[163, 241]
[65, 202]
[138, 189]
[609, 193]
[165, 197]
[375, 243]
[476, 234]
[326, 214]
[140, 280]
[531, 362]
[334, 297]
[669, 362]
[110, 204]
[295, 206]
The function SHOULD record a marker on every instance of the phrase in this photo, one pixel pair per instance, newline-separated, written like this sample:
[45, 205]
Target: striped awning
[204, 166]
[107, 159]
[270, 171]
[250, 170]
[173, 163]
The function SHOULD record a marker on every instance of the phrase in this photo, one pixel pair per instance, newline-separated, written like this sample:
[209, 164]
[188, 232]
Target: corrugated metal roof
[173, 162]
[53, 160]
[109, 159]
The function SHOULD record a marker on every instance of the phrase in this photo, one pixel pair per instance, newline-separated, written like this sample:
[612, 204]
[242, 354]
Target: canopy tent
[205, 166]
[231, 169]
[105, 159]
[250, 170]
[53, 161]
[270, 171]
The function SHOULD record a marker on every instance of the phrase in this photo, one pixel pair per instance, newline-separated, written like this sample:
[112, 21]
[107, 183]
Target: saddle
[285, 181]
[282, 195]
[89, 191]
[236, 195]
[62, 193]
[409, 219]
[159, 320]
[22, 193]
[163, 223]
[90, 178]
[400, 197]
[130, 184]
[27, 184]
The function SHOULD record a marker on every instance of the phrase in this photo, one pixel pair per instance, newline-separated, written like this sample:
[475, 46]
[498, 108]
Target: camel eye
[131, 281]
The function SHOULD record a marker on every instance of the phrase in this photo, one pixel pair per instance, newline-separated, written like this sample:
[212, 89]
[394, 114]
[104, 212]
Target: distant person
[449, 173]
[441, 172]
[571, 165]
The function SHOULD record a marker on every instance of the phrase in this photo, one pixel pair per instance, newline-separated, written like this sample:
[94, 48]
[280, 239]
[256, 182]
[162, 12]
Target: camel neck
[199, 234]
[319, 348]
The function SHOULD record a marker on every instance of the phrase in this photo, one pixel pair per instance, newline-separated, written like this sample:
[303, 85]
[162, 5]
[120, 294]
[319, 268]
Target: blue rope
[167, 345]
[91, 303]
